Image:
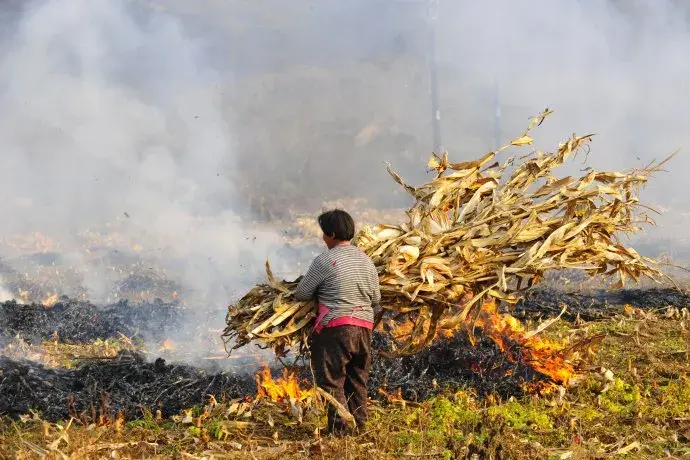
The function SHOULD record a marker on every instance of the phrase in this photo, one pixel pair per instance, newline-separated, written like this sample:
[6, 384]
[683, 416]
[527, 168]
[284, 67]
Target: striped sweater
[345, 281]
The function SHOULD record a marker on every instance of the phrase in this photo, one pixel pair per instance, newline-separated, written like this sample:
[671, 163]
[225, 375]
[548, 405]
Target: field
[633, 401]
[148, 189]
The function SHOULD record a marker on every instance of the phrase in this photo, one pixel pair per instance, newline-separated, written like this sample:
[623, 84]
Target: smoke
[612, 68]
[171, 127]
[350, 85]
[112, 115]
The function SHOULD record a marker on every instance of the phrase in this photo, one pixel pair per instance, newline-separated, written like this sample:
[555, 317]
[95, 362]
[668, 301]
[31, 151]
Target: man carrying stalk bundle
[345, 282]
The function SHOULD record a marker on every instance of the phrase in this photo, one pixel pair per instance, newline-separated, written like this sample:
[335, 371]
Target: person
[345, 283]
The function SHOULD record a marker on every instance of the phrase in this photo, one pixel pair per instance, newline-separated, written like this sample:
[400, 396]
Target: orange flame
[544, 355]
[284, 388]
[50, 300]
[167, 345]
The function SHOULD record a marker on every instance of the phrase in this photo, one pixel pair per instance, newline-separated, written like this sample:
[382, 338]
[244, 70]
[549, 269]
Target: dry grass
[67, 355]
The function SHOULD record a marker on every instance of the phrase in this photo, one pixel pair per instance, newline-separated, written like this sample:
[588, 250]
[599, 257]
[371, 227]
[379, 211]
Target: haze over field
[179, 123]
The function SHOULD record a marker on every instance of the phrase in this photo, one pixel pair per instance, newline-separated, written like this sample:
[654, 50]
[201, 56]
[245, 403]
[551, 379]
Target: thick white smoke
[111, 114]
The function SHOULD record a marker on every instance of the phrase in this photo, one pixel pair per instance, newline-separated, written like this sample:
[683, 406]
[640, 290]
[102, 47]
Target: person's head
[337, 227]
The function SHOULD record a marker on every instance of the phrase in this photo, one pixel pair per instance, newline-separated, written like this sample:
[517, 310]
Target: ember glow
[285, 388]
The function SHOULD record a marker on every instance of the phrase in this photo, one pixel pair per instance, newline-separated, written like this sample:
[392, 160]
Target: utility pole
[433, 76]
[497, 116]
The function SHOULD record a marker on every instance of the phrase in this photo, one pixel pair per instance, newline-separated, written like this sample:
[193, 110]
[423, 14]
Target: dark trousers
[341, 359]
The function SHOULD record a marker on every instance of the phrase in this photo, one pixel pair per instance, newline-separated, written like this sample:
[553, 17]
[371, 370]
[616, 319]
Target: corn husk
[478, 227]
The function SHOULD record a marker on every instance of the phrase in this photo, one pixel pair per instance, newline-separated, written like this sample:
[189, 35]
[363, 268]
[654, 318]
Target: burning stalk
[548, 357]
[285, 388]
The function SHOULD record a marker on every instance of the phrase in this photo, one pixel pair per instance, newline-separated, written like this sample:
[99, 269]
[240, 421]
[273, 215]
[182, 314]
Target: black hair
[337, 224]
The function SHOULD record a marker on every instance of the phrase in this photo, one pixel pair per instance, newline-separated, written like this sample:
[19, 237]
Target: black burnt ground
[126, 383]
[452, 364]
[129, 384]
[80, 322]
[598, 305]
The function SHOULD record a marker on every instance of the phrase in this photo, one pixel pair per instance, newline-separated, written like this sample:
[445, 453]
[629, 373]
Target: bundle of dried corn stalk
[268, 313]
[473, 230]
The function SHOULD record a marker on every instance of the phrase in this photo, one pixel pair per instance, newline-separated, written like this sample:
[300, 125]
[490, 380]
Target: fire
[50, 300]
[285, 388]
[167, 345]
[544, 355]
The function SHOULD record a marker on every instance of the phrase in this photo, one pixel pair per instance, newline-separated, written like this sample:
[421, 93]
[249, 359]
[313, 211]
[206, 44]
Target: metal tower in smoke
[433, 8]
[497, 116]
[433, 76]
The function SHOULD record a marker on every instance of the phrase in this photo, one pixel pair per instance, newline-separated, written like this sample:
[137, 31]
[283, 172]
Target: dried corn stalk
[268, 313]
[472, 229]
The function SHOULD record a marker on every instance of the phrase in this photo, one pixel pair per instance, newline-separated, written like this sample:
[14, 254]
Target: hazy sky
[185, 116]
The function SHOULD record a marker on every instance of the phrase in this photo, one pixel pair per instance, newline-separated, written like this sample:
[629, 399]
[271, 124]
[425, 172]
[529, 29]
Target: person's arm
[376, 290]
[306, 289]
[376, 297]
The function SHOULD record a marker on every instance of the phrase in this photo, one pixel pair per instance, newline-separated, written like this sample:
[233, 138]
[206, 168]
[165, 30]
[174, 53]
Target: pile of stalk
[482, 228]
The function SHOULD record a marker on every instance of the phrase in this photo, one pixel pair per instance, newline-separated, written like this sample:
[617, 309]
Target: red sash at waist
[348, 320]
